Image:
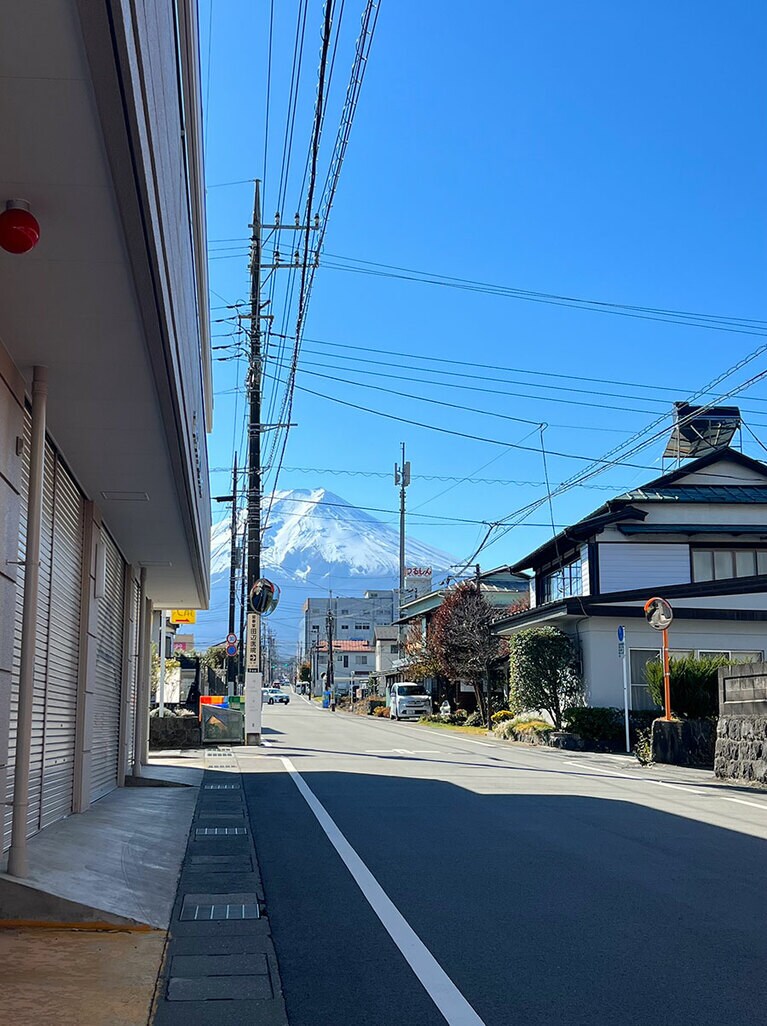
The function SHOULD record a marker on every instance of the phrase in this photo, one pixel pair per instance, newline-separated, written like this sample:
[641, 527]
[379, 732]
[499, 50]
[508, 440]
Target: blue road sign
[231, 650]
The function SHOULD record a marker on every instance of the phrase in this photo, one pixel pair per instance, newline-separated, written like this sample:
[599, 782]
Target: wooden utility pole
[231, 661]
[254, 385]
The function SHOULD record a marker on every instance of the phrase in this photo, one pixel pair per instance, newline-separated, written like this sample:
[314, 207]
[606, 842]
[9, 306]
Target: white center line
[435, 981]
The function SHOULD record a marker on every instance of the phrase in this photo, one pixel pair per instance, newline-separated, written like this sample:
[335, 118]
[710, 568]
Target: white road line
[435, 981]
[485, 744]
[742, 801]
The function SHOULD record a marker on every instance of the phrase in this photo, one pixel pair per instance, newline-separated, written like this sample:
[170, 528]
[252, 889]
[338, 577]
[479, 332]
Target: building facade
[696, 536]
[354, 618]
[105, 390]
[353, 663]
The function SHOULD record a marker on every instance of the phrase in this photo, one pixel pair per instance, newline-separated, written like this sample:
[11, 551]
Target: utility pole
[330, 679]
[401, 478]
[485, 674]
[231, 661]
[243, 597]
[254, 424]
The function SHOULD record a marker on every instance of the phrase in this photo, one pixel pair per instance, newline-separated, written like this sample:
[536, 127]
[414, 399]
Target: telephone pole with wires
[255, 426]
[402, 478]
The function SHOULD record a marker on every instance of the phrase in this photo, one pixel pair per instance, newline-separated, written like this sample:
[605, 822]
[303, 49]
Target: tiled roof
[698, 493]
[347, 646]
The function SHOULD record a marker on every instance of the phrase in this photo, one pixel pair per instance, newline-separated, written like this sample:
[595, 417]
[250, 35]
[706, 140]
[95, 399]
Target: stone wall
[683, 742]
[741, 749]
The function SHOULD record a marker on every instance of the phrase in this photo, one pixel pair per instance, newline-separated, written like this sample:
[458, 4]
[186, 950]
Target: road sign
[659, 613]
[253, 643]
[624, 661]
[231, 650]
[231, 639]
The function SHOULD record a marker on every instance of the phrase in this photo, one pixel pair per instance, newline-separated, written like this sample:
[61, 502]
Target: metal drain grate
[222, 787]
[218, 907]
[219, 831]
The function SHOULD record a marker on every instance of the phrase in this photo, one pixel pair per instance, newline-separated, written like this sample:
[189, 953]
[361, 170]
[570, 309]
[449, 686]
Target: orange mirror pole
[666, 677]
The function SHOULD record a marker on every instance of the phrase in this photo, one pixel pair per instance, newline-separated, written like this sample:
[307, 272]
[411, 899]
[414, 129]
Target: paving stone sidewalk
[220, 965]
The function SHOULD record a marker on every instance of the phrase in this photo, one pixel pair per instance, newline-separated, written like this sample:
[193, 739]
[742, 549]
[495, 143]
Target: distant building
[353, 662]
[354, 619]
[183, 643]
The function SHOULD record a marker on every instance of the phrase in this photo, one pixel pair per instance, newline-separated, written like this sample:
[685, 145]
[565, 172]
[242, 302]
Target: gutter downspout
[142, 692]
[17, 856]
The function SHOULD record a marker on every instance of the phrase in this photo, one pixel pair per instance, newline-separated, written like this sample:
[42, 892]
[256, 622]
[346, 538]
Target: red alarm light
[19, 228]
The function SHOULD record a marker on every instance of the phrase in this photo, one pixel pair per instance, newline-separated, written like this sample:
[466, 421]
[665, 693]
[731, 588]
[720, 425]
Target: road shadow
[541, 908]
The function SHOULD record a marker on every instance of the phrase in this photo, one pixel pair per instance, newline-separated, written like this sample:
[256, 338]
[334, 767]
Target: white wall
[626, 566]
[599, 647]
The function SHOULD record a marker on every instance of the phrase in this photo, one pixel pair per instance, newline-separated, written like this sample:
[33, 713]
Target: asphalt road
[517, 885]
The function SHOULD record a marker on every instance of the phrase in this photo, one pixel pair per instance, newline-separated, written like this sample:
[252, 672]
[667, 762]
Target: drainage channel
[220, 966]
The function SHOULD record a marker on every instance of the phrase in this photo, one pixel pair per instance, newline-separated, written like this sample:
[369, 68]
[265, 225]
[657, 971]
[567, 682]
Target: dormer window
[562, 583]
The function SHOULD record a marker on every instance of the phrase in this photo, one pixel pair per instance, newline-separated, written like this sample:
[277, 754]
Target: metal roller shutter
[58, 639]
[8, 818]
[63, 650]
[108, 675]
[41, 660]
[133, 675]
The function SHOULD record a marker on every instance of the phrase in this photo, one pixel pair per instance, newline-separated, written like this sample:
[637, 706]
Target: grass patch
[455, 727]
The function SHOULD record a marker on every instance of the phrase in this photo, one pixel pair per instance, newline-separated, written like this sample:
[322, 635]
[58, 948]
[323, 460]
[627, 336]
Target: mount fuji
[314, 541]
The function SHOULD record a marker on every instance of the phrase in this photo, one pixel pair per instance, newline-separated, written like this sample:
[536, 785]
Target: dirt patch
[75, 978]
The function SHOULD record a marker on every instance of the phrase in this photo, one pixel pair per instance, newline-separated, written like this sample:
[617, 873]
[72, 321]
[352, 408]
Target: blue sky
[609, 151]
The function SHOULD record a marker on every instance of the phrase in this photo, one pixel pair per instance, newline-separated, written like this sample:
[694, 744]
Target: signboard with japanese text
[183, 616]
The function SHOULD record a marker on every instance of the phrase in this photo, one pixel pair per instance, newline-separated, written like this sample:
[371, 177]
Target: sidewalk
[220, 966]
[108, 879]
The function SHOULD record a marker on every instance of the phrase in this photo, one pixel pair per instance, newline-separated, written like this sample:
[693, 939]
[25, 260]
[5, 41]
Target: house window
[734, 656]
[393, 649]
[344, 612]
[344, 626]
[563, 583]
[346, 661]
[638, 660]
[724, 564]
[362, 626]
[361, 660]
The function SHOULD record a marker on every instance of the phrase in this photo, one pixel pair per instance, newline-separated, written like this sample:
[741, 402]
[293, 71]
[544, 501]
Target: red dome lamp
[19, 228]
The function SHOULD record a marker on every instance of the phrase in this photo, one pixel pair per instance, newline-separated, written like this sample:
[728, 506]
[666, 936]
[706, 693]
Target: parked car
[409, 701]
[274, 696]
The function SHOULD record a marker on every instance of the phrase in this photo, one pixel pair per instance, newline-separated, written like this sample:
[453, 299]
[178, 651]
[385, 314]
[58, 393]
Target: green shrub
[597, 725]
[693, 682]
[375, 704]
[521, 727]
[476, 719]
[543, 672]
[643, 747]
[501, 715]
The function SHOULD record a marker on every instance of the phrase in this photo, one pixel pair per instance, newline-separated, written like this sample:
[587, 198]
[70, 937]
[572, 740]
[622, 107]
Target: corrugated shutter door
[133, 679]
[108, 675]
[63, 650]
[8, 818]
[41, 648]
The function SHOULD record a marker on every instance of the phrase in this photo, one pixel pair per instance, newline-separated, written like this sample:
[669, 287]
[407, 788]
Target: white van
[409, 700]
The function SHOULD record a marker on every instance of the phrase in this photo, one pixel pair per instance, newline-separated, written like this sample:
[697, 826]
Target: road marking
[485, 744]
[402, 751]
[433, 978]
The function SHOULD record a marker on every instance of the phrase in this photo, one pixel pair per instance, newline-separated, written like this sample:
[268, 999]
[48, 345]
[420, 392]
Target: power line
[448, 431]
